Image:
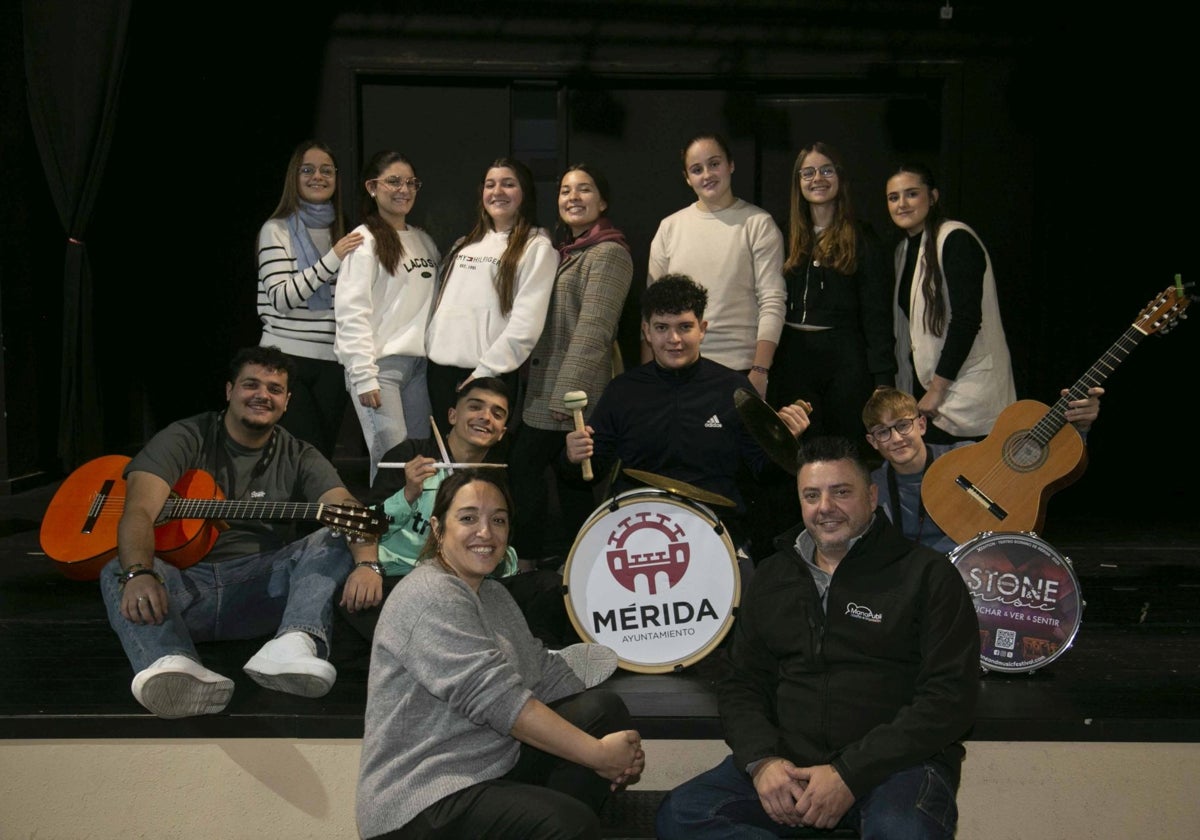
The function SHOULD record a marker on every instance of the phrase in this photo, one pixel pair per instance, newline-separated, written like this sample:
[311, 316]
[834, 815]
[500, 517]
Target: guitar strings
[1002, 475]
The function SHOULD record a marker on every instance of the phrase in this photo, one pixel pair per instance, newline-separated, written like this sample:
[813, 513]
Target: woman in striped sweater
[300, 249]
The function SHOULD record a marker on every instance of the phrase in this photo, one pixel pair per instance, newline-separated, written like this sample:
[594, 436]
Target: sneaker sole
[293, 682]
[591, 663]
[178, 695]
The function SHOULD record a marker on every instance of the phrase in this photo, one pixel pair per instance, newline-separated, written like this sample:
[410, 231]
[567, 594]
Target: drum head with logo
[655, 578]
[1026, 597]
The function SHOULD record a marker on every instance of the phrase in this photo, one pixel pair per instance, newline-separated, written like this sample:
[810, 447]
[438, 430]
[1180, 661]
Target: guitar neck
[181, 508]
[1095, 376]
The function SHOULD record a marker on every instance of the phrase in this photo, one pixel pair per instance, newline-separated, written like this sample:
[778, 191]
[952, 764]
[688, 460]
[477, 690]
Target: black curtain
[74, 59]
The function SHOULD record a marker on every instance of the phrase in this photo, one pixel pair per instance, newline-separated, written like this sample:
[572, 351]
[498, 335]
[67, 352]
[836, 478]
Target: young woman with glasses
[300, 251]
[837, 343]
[950, 344]
[383, 303]
[495, 291]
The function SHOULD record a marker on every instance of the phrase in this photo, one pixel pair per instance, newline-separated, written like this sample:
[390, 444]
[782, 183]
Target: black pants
[542, 798]
[828, 368]
[537, 531]
[318, 402]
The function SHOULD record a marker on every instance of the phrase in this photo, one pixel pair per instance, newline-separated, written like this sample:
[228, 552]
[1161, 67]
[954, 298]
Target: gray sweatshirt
[450, 672]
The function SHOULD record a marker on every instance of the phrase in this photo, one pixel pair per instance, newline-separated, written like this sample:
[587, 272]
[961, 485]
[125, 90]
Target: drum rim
[622, 499]
[983, 537]
[649, 491]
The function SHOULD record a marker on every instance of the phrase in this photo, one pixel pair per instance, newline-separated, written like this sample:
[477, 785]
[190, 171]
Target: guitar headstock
[359, 524]
[1166, 310]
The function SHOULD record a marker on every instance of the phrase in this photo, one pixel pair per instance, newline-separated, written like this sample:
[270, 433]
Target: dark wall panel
[857, 126]
[640, 157]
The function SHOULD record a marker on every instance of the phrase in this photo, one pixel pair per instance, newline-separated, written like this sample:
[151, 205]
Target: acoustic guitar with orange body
[79, 529]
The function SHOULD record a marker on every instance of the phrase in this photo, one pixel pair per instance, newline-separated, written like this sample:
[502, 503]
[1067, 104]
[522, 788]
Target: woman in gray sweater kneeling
[474, 729]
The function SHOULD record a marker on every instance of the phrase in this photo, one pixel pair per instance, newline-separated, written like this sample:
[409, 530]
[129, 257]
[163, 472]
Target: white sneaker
[178, 686]
[290, 664]
[591, 663]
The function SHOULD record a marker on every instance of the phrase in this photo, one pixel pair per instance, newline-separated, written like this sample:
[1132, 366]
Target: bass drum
[1026, 596]
[653, 576]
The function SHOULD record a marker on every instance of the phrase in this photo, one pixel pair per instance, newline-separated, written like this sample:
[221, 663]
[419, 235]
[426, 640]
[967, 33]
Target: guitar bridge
[97, 507]
[981, 497]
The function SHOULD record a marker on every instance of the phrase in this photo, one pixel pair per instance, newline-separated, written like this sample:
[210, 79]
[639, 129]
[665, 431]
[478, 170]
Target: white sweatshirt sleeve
[659, 260]
[766, 248]
[353, 305]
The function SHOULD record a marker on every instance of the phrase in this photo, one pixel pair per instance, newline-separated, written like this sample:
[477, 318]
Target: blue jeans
[273, 593]
[403, 411]
[917, 802]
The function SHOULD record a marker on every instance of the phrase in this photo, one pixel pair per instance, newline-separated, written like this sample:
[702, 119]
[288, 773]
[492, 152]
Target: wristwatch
[374, 566]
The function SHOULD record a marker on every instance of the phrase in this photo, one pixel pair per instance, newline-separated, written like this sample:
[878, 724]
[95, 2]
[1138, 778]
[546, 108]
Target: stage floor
[1132, 674]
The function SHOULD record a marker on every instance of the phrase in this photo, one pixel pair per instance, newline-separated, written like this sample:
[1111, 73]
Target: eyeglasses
[810, 172]
[902, 427]
[308, 170]
[396, 182]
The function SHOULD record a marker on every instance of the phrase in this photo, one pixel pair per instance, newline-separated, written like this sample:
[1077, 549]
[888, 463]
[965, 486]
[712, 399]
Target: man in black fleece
[851, 680]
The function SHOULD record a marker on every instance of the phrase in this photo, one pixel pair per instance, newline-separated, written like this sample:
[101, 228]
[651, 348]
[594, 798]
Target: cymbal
[766, 427]
[680, 488]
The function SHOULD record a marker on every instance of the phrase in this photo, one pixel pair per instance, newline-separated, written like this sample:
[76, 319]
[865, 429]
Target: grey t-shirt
[286, 470]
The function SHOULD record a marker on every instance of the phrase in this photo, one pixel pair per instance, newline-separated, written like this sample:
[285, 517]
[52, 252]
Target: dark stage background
[1058, 136]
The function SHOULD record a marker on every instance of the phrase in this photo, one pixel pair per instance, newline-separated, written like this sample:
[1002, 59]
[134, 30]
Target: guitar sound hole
[1022, 453]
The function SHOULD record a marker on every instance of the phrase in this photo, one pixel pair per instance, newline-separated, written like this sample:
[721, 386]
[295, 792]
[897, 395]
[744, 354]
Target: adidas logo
[713, 423]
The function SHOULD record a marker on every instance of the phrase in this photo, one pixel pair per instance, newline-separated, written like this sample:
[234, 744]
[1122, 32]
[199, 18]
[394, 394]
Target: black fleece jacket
[884, 678]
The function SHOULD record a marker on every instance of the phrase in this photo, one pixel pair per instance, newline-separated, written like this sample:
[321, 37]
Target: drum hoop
[1028, 538]
[648, 494]
[655, 494]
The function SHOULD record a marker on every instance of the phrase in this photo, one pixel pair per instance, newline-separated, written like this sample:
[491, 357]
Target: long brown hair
[389, 250]
[562, 232]
[931, 278]
[835, 247]
[289, 201]
[523, 227]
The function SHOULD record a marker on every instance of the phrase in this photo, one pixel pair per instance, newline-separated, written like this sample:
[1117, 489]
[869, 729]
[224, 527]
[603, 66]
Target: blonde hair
[887, 401]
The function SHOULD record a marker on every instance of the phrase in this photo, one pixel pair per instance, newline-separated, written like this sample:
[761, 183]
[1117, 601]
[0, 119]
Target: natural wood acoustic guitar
[79, 529]
[1004, 482]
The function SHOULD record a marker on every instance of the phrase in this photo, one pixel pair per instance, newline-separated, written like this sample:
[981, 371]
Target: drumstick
[441, 465]
[441, 443]
[575, 402]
